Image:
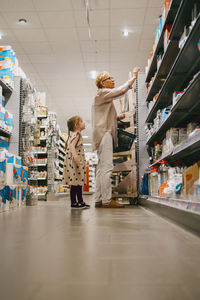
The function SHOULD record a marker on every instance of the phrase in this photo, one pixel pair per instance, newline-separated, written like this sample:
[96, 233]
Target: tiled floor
[49, 252]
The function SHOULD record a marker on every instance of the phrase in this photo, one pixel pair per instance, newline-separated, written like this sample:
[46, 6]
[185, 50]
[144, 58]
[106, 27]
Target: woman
[104, 122]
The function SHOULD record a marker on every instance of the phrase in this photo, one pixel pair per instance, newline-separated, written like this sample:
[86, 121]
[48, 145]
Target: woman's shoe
[112, 204]
[98, 204]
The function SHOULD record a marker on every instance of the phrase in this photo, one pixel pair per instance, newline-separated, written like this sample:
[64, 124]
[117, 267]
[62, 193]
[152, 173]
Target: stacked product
[6, 118]
[13, 181]
[7, 65]
[60, 188]
[91, 163]
[161, 27]
[33, 133]
[39, 162]
[53, 153]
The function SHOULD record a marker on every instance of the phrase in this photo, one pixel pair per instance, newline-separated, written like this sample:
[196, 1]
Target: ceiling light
[93, 74]
[125, 33]
[85, 136]
[22, 21]
[0, 36]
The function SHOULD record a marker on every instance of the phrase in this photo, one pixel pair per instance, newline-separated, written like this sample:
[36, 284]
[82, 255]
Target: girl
[74, 173]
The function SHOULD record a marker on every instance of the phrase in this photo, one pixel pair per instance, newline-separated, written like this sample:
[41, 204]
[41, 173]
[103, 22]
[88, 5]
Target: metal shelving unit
[4, 132]
[185, 67]
[6, 89]
[182, 18]
[186, 153]
[169, 20]
[187, 107]
[165, 66]
[184, 76]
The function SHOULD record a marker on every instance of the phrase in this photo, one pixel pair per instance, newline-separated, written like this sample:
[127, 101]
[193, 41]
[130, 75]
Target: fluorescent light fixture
[125, 33]
[85, 136]
[87, 144]
[93, 74]
[22, 21]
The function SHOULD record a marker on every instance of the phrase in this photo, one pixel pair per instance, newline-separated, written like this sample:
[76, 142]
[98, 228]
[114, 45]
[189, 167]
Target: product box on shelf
[4, 143]
[176, 96]
[24, 175]
[7, 64]
[166, 35]
[182, 136]
[190, 175]
[2, 116]
[17, 169]
[8, 121]
[166, 7]
[2, 98]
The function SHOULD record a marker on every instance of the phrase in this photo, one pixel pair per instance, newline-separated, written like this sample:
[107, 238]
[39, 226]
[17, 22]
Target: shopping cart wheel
[133, 201]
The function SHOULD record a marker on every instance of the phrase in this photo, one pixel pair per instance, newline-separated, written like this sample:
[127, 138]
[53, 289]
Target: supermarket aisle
[50, 252]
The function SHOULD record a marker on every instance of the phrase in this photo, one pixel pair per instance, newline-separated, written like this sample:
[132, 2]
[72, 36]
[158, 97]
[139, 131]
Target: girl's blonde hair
[71, 123]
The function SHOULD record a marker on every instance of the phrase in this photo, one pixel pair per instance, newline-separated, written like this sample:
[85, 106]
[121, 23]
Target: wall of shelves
[184, 68]
[173, 124]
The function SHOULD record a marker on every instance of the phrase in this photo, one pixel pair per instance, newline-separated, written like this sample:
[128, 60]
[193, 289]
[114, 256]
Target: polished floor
[49, 252]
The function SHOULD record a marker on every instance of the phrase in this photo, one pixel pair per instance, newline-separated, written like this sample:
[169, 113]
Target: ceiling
[56, 53]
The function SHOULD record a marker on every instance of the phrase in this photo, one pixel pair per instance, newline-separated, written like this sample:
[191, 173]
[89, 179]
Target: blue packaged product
[18, 160]
[10, 158]
[3, 102]
[2, 114]
[17, 173]
[4, 143]
[12, 194]
[2, 195]
[8, 118]
[3, 165]
[160, 24]
[24, 193]
[24, 174]
[7, 193]
[6, 53]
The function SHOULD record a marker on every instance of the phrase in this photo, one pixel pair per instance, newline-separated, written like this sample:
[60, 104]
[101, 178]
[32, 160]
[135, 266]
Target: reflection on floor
[50, 252]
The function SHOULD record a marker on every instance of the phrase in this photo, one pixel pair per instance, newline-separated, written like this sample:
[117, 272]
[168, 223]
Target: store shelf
[43, 138]
[186, 65]
[39, 152]
[169, 20]
[182, 18]
[6, 89]
[187, 153]
[62, 139]
[40, 165]
[41, 194]
[42, 116]
[190, 148]
[61, 158]
[43, 126]
[186, 108]
[4, 132]
[36, 179]
[61, 151]
[60, 194]
[165, 66]
[182, 204]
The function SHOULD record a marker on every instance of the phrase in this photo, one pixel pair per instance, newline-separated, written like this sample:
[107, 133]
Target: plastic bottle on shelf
[196, 195]
[154, 181]
[164, 171]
